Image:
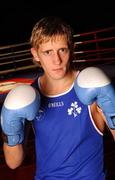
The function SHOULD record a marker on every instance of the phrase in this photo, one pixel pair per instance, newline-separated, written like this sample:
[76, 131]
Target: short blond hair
[48, 28]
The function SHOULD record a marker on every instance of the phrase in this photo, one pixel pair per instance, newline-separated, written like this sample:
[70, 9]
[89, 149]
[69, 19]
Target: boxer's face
[53, 56]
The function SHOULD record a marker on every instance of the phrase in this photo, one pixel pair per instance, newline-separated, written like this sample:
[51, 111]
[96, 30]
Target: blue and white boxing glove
[21, 103]
[91, 85]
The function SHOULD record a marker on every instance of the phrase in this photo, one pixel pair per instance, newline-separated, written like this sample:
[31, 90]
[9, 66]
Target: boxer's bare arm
[14, 155]
[100, 119]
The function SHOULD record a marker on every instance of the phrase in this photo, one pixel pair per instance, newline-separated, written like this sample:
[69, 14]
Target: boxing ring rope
[17, 57]
[90, 47]
[102, 52]
[96, 46]
[95, 32]
[96, 40]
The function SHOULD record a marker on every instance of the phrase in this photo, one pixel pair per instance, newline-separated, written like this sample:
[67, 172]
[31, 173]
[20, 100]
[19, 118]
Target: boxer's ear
[35, 55]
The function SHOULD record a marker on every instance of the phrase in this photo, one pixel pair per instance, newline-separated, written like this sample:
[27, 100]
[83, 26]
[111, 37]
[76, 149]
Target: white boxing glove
[21, 103]
[92, 84]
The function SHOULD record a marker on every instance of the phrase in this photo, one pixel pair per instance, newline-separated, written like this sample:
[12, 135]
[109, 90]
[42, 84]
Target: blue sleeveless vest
[68, 144]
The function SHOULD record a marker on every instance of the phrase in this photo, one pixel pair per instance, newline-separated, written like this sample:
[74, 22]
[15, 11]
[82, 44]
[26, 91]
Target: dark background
[18, 17]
